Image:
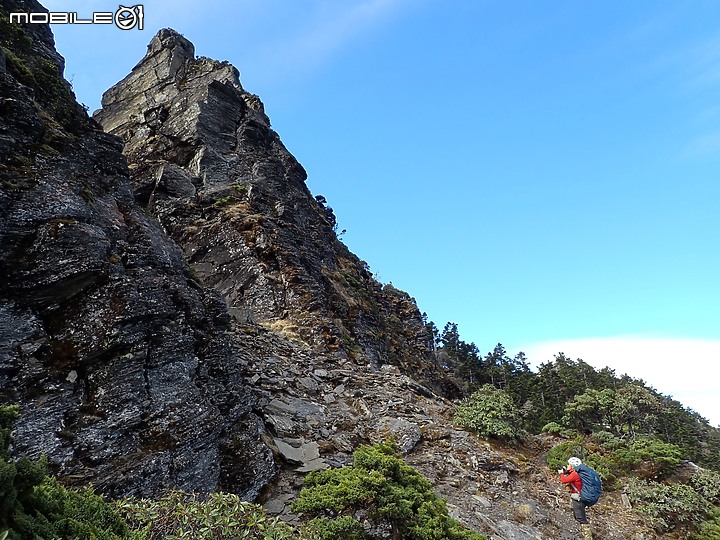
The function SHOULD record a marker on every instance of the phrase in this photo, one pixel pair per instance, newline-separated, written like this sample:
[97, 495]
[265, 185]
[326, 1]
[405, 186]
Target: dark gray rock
[123, 365]
[406, 434]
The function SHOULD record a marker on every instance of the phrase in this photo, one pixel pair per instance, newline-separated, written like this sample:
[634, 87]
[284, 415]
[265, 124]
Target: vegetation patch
[668, 506]
[219, 516]
[379, 492]
[490, 412]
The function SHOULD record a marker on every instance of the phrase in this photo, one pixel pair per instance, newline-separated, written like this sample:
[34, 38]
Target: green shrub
[589, 410]
[383, 488]
[648, 457]
[490, 412]
[344, 527]
[34, 506]
[558, 455]
[553, 428]
[668, 505]
[707, 484]
[220, 516]
[710, 528]
[611, 456]
[607, 440]
[78, 514]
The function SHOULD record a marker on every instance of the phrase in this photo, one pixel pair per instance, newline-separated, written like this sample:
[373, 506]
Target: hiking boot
[586, 532]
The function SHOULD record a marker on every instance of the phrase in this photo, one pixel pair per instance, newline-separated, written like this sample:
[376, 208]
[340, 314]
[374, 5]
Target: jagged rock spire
[167, 38]
[206, 162]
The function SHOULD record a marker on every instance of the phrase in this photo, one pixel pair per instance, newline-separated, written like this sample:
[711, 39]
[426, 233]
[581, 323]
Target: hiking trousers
[578, 508]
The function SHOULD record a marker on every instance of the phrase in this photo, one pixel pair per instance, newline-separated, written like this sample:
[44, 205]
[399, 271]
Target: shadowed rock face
[124, 365]
[205, 161]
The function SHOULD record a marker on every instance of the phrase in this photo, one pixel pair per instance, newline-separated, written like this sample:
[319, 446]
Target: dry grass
[287, 329]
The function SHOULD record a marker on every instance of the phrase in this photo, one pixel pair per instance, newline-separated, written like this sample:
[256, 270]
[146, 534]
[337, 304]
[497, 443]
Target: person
[571, 479]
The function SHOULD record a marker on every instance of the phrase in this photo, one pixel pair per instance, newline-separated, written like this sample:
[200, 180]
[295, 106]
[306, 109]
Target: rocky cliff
[131, 296]
[176, 309]
[205, 161]
[124, 364]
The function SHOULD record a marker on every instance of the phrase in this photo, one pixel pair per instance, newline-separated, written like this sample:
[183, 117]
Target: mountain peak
[167, 38]
[168, 68]
[207, 164]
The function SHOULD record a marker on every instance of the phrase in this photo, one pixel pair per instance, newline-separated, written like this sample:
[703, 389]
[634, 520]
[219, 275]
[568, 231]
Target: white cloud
[682, 368]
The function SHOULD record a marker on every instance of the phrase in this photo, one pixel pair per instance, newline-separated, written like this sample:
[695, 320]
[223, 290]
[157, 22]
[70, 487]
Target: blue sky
[542, 173]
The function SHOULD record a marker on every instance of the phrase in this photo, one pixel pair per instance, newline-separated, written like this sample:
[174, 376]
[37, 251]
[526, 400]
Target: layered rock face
[123, 363]
[133, 367]
[205, 161]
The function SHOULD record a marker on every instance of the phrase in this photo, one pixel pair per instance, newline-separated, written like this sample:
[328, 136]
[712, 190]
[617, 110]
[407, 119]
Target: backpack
[591, 484]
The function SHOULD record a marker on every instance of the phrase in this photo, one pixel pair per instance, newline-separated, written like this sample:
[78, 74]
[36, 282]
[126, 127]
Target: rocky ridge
[205, 161]
[130, 300]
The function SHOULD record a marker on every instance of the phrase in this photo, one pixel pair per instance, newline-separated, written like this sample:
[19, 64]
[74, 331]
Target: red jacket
[572, 478]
